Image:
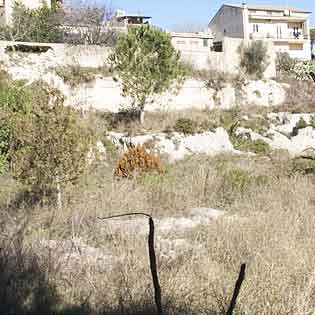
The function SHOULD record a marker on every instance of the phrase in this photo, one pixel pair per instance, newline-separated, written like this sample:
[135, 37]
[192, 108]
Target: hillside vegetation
[62, 169]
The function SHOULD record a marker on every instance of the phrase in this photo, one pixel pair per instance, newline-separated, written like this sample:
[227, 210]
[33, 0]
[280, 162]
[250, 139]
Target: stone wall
[84, 55]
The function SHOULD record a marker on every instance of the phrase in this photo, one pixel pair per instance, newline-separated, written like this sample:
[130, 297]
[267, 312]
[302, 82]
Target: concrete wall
[62, 54]
[229, 60]
[227, 22]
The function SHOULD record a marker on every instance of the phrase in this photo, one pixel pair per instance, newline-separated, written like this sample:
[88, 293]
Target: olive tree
[254, 58]
[48, 148]
[146, 63]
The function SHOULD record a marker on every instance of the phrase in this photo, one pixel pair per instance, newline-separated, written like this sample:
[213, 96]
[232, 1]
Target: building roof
[133, 16]
[268, 8]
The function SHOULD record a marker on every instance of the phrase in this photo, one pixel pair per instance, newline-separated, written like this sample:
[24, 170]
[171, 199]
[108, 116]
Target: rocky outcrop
[176, 145]
[280, 134]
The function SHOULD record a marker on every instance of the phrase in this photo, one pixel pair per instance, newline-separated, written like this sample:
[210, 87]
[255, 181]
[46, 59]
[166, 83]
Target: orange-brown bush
[138, 160]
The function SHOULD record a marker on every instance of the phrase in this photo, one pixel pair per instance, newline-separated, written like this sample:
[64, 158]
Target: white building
[287, 28]
[193, 47]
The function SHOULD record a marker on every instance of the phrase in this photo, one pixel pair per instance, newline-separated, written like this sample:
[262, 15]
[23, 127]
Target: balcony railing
[291, 36]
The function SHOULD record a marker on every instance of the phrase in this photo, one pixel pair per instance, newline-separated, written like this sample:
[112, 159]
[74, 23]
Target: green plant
[285, 64]
[138, 160]
[147, 63]
[259, 124]
[14, 100]
[301, 124]
[236, 179]
[186, 126]
[39, 25]
[75, 74]
[245, 144]
[303, 165]
[254, 58]
[48, 147]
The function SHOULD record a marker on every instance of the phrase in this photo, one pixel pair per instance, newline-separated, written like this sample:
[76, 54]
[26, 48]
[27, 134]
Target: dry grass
[271, 229]
[300, 97]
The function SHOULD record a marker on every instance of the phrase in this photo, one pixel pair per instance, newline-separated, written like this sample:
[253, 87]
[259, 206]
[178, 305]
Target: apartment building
[288, 28]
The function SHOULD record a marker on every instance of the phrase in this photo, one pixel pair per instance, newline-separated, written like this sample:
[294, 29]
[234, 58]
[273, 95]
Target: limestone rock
[177, 146]
[264, 93]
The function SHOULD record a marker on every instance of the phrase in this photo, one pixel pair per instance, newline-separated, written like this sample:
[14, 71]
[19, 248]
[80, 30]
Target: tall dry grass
[269, 225]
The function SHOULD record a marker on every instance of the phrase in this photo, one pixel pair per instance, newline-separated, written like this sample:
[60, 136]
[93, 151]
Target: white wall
[229, 19]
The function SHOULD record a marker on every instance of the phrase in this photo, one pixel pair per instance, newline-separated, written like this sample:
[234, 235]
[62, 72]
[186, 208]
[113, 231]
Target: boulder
[264, 93]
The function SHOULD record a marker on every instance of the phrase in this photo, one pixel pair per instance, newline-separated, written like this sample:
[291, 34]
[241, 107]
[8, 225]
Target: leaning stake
[237, 289]
[152, 256]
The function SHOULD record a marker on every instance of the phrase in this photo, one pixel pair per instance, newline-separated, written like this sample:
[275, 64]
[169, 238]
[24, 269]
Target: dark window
[217, 46]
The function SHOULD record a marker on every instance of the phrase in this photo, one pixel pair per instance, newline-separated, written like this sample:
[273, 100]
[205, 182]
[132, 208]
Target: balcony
[294, 37]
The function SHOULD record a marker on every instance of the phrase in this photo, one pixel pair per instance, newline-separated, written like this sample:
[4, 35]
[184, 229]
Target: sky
[182, 14]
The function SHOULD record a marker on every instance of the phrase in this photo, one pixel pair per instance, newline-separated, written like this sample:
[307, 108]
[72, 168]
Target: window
[181, 42]
[205, 42]
[255, 28]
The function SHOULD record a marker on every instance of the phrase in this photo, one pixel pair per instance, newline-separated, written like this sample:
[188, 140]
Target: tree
[89, 25]
[254, 58]
[146, 63]
[14, 100]
[48, 147]
[39, 25]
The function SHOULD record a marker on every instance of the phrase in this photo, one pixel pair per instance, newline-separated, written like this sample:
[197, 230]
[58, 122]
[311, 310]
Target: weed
[136, 161]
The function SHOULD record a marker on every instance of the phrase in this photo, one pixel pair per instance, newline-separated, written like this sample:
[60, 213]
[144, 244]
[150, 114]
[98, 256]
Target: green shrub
[245, 144]
[254, 59]
[75, 74]
[235, 180]
[39, 25]
[259, 124]
[186, 126]
[300, 125]
[285, 64]
[303, 166]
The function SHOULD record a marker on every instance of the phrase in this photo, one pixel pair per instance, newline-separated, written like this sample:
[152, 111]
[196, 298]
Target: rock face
[105, 94]
[176, 145]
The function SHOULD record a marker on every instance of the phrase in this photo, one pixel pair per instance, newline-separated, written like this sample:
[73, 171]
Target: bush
[136, 161]
[75, 74]
[303, 165]
[301, 124]
[48, 146]
[39, 25]
[14, 100]
[258, 146]
[285, 64]
[186, 126]
[254, 59]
